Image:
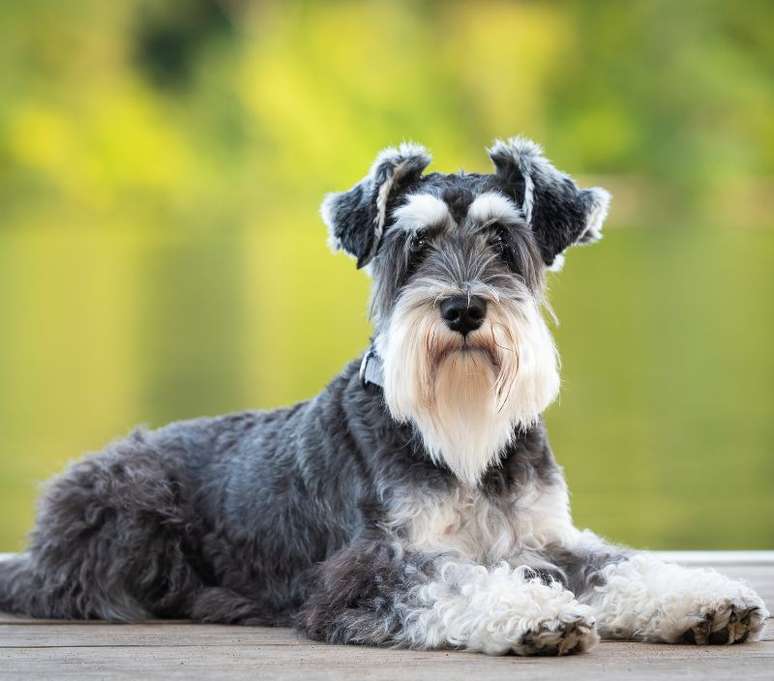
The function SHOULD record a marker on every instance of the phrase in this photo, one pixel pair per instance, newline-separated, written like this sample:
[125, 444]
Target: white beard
[467, 401]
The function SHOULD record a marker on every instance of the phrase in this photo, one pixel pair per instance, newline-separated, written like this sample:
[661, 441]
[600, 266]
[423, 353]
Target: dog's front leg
[377, 593]
[636, 595]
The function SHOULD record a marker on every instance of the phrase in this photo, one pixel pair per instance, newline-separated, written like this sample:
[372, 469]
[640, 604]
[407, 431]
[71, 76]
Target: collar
[371, 368]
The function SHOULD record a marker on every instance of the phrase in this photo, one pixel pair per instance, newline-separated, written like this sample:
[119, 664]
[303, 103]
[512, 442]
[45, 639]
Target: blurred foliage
[161, 165]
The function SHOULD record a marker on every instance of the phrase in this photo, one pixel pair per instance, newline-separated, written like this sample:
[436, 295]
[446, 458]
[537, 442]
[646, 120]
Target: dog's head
[458, 263]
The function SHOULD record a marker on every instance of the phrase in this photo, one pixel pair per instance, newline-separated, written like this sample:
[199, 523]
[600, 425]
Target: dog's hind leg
[219, 605]
[377, 593]
[18, 584]
[111, 542]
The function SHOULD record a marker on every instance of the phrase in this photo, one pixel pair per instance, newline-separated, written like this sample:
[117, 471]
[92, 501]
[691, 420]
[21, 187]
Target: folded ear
[559, 213]
[356, 218]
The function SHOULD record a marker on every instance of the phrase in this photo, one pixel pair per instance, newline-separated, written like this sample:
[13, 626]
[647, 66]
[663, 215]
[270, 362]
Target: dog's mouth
[468, 349]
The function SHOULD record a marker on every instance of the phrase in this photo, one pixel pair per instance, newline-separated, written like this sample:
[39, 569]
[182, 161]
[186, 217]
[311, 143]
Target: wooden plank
[161, 635]
[718, 558]
[614, 661]
[157, 634]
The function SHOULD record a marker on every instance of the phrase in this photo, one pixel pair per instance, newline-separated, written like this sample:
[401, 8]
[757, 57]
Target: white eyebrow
[421, 210]
[493, 206]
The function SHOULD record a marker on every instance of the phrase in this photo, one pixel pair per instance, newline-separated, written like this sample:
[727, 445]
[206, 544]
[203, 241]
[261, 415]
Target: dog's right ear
[356, 218]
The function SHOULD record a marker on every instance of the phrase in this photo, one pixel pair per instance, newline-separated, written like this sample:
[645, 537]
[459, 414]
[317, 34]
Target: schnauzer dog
[415, 501]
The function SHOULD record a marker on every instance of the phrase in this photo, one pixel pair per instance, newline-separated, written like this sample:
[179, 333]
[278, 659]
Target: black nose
[463, 313]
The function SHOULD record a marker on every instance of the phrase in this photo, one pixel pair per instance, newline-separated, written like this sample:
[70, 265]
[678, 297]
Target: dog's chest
[480, 527]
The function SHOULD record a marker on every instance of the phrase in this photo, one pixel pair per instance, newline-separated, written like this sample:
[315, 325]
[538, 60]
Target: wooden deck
[42, 650]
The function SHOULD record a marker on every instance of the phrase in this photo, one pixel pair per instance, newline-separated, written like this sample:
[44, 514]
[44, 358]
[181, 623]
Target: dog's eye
[501, 245]
[497, 242]
[418, 242]
[417, 247]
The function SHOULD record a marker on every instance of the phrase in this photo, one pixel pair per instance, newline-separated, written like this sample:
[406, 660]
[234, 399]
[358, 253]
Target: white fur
[494, 207]
[495, 611]
[326, 213]
[650, 600]
[421, 210]
[476, 527]
[557, 264]
[482, 598]
[529, 198]
[466, 408]
[597, 215]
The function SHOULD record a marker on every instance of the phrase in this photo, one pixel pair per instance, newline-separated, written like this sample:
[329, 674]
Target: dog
[415, 502]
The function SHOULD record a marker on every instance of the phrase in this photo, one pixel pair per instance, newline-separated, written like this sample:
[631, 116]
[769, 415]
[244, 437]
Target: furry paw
[500, 611]
[574, 634]
[726, 623]
[646, 599]
[724, 612]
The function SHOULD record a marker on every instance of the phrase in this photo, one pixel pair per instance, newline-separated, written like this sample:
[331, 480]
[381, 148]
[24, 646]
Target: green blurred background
[161, 254]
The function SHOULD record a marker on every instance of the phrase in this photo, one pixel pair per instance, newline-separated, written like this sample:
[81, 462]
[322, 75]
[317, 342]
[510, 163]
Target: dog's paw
[522, 616]
[726, 622]
[646, 599]
[566, 636]
[731, 612]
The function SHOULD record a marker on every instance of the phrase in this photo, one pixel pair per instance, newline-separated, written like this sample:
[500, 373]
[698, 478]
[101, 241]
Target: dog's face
[458, 263]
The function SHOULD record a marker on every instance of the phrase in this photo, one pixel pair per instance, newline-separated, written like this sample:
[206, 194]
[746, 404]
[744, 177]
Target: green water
[161, 169]
[665, 425]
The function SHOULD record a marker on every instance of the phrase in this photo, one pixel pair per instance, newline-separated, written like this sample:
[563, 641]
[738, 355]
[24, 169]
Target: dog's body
[415, 501]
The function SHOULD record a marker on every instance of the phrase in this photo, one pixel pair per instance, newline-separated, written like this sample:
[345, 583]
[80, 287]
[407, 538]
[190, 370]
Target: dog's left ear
[559, 213]
[356, 218]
